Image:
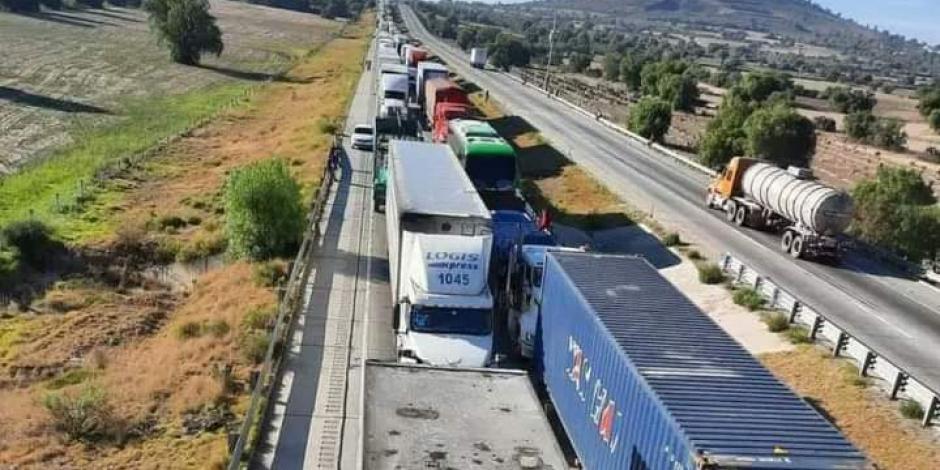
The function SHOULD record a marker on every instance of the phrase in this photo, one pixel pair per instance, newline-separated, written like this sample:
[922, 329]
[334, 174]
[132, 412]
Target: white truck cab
[526, 293]
[394, 94]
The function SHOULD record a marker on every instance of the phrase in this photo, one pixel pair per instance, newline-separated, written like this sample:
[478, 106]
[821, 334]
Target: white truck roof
[429, 180]
[436, 417]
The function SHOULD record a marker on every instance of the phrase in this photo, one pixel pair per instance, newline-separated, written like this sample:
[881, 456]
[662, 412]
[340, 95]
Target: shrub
[710, 273]
[270, 273]
[798, 335]
[327, 126]
[217, 328]
[170, 222]
[672, 239]
[190, 329]
[264, 213]
[254, 345]
[934, 120]
[911, 409]
[32, 240]
[85, 416]
[651, 118]
[259, 319]
[824, 123]
[694, 255]
[777, 322]
[748, 298]
[860, 125]
[202, 246]
[186, 27]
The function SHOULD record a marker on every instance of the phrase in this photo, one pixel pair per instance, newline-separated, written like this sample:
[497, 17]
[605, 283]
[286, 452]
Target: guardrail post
[794, 311]
[740, 275]
[900, 383]
[932, 408]
[841, 344]
[725, 261]
[870, 359]
[757, 282]
[774, 296]
[817, 326]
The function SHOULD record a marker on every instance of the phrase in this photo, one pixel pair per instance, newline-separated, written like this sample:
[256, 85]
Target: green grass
[12, 330]
[72, 377]
[748, 298]
[32, 191]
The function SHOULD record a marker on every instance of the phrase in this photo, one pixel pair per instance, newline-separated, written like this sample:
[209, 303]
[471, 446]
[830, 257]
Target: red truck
[415, 55]
[443, 114]
[442, 90]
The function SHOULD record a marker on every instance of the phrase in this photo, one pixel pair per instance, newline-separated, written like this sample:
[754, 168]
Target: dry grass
[871, 422]
[74, 69]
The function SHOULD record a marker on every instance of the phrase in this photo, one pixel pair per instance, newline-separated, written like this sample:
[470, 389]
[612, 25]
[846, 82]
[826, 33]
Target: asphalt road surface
[895, 315]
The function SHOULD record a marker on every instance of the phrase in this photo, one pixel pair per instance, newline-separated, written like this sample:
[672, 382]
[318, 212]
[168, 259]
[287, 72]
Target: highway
[897, 316]
[314, 420]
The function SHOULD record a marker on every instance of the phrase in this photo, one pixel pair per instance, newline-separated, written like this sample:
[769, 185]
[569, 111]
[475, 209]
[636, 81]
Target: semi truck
[393, 94]
[427, 71]
[435, 417]
[442, 90]
[489, 160]
[385, 129]
[640, 378]
[440, 238]
[478, 57]
[810, 216]
[443, 114]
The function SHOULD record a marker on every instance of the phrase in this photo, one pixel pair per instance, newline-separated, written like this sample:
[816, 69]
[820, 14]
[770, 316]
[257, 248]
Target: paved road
[314, 421]
[897, 316]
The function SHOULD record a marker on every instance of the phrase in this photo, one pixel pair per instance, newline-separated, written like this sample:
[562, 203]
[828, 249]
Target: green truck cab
[488, 159]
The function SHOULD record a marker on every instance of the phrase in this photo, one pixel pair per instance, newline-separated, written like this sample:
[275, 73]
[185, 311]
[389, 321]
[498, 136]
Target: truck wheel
[786, 241]
[740, 217]
[730, 209]
[796, 247]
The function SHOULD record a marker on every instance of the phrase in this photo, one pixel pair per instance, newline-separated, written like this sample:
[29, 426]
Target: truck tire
[796, 247]
[740, 216]
[730, 210]
[786, 241]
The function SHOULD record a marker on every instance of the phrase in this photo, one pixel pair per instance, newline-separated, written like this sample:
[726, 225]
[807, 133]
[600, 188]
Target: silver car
[362, 137]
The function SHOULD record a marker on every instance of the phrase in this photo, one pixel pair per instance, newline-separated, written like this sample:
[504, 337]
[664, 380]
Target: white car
[362, 137]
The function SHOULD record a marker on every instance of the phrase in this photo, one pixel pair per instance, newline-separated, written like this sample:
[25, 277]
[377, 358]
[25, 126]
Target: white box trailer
[434, 417]
[478, 57]
[440, 238]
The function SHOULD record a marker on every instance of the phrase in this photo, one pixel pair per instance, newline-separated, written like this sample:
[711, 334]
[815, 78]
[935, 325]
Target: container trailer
[810, 216]
[427, 71]
[442, 90]
[478, 57]
[642, 379]
[440, 238]
[435, 417]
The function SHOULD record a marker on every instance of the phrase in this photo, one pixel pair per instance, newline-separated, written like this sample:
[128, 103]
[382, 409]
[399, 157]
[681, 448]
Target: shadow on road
[14, 95]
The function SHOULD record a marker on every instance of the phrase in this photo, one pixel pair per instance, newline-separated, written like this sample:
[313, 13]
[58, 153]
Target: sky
[918, 19]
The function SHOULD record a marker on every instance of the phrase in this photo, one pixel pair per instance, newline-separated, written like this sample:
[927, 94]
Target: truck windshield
[492, 172]
[463, 321]
[395, 95]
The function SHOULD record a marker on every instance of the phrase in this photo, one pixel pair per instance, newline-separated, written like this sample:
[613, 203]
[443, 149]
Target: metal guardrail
[840, 341]
[263, 382]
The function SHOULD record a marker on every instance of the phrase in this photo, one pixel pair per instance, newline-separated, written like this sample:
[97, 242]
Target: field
[165, 366]
[65, 72]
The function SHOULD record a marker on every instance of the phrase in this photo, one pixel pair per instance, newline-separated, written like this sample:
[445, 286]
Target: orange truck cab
[727, 184]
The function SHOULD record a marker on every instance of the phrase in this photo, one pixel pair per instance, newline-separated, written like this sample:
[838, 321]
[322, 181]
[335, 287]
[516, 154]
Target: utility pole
[551, 43]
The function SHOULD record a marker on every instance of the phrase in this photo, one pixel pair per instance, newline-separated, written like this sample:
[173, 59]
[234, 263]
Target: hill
[800, 18]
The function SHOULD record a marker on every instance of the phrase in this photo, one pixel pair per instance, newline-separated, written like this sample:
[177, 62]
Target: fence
[263, 381]
[840, 341]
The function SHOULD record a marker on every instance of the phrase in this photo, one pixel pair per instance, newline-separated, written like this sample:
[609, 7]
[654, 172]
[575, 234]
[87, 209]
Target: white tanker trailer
[810, 216]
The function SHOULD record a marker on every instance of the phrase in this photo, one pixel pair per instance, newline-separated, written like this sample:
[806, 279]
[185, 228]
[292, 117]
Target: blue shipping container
[642, 379]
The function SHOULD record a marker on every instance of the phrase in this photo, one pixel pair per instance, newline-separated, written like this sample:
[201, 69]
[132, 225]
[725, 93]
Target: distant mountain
[801, 18]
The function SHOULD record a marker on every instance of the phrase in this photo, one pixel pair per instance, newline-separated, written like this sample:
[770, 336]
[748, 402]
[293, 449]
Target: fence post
[841, 343]
[757, 282]
[931, 411]
[794, 310]
[900, 383]
[774, 296]
[740, 274]
[870, 359]
[817, 326]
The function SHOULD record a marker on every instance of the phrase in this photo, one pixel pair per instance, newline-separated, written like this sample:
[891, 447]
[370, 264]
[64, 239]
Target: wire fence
[841, 342]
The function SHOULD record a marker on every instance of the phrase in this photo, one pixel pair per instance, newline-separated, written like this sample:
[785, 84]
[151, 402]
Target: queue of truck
[633, 374]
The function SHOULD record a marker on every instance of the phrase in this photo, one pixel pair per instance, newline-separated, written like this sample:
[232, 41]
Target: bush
[749, 298]
[270, 273]
[860, 126]
[202, 246]
[170, 222]
[934, 120]
[798, 335]
[186, 27]
[31, 239]
[217, 328]
[259, 319]
[264, 213]
[911, 409]
[889, 134]
[85, 416]
[651, 118]
[327, 126]
[825, 124]
[710, 273]
[777, 322]
[188, 330]
[846, 101]
[672, 239]
[19, 6]
[694, 255]
[254, 345]
[193, 329]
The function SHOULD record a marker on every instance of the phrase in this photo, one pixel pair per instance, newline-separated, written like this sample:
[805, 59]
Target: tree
[680, 91]
[724, 136]
[264, 216]
[20, 6]
[612, 67]
[578, 62]
[934, 120]
[759, 86]
[881, 132]
[653, 73]
[847, 101]
[186, 27]
[860, 125]
[630, 70]
[826, 124]
[651, 118]
[781, 135]
[467, 37]
[508, 51]
[336, 9]
[929, 99]
[894, 210]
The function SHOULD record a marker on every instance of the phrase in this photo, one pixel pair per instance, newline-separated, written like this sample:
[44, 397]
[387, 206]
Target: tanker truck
[809, 216]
